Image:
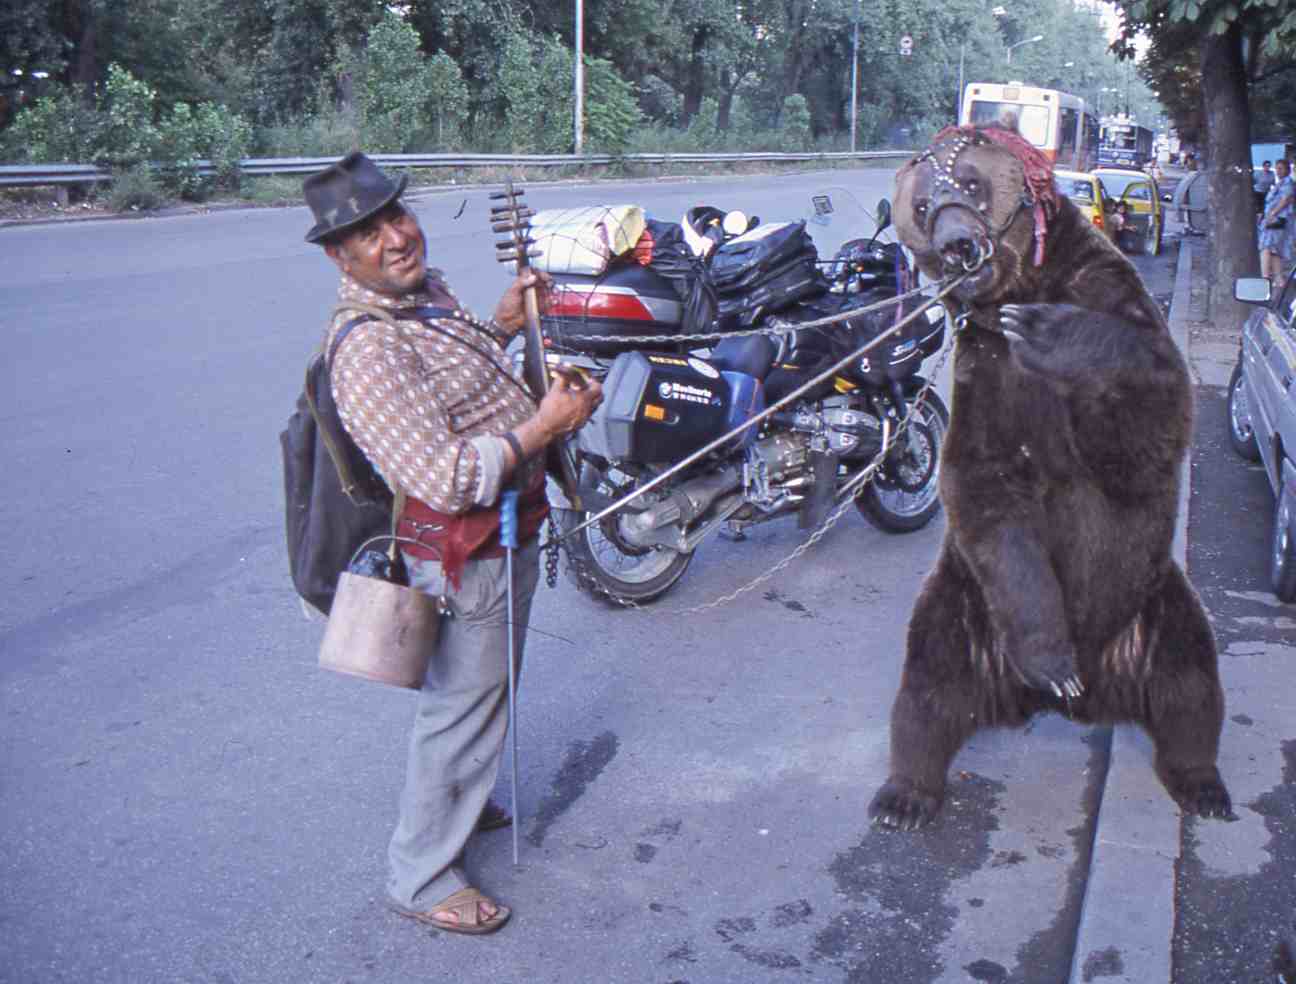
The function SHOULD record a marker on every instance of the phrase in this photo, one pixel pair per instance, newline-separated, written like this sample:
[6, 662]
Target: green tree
[393, 90]
[1226, 30]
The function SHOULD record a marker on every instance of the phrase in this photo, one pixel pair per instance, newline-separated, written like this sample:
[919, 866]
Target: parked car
[1089, 196]
[1138, 191]
[1262, 412]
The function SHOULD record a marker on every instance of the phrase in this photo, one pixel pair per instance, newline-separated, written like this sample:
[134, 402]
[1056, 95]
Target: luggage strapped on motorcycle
[848, 491]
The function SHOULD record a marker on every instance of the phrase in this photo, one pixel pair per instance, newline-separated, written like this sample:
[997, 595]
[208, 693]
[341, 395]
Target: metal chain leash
[852, 489]
[551, 549]
[775, 326]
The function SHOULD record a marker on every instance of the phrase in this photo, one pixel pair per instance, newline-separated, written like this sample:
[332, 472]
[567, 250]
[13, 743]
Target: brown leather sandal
[464, 904]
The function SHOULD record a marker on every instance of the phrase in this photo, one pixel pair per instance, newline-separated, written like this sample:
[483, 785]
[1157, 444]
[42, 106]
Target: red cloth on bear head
[1037, 168]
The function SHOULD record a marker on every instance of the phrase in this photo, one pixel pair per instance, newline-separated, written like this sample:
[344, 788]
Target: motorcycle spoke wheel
[603, 564]
[906, 494]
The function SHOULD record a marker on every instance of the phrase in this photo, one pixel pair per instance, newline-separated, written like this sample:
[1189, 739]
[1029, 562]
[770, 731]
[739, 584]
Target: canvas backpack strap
[345, 476]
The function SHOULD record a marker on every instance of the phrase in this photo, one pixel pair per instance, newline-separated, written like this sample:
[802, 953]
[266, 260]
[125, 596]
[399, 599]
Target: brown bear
[1072, 412]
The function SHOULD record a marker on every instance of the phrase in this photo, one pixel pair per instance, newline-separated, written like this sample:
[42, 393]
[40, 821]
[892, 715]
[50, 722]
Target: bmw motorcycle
[668, 394]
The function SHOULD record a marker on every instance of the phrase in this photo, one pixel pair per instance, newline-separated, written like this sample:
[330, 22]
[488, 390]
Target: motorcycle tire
[1241, 434]
[885, 502]
[604, 566]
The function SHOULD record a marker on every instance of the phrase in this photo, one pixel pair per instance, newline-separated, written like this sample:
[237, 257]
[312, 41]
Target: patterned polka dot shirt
[424, 408]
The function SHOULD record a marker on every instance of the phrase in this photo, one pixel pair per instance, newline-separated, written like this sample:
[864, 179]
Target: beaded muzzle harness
[1038, 192]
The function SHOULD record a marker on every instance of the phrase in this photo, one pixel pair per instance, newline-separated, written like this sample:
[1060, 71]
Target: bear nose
[962, 245]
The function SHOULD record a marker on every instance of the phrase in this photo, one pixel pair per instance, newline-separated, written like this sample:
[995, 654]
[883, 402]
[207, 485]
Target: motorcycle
[668, 394]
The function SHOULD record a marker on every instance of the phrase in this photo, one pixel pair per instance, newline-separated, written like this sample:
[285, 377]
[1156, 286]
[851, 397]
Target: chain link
[775, 326]
[854, 486]
[551, 549]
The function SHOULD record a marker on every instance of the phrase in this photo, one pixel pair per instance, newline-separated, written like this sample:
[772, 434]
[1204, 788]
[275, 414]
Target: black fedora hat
[346, 193]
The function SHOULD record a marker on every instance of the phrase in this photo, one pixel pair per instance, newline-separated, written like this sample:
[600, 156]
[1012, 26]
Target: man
[1275, 223]
[1264, 180]
[433, 403]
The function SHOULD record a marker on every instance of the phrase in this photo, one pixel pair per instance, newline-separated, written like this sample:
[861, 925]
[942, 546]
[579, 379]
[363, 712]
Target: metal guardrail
[34, 175]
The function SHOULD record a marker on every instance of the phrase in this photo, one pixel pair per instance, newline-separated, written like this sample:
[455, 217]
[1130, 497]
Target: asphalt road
[187, 797]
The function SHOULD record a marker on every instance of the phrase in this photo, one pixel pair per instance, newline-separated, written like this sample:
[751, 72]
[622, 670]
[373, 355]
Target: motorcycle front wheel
[905, 496]
[600, 562]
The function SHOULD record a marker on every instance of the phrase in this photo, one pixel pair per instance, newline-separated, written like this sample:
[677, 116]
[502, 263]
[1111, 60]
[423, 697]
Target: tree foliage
[319, 76]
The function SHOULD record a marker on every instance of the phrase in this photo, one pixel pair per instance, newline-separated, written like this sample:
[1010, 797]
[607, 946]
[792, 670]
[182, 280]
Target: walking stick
[509, 539]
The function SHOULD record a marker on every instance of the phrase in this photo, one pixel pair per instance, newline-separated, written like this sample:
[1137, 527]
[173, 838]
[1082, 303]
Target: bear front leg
[1024, 599]
[1074, 344]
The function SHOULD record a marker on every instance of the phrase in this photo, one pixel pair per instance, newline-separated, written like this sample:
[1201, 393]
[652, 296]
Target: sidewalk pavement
[1126, 935]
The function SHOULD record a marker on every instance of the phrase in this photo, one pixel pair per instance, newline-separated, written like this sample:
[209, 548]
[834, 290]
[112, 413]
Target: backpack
[335, 500]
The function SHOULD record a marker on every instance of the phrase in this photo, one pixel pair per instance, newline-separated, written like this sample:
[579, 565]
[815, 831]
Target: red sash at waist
[455, 538]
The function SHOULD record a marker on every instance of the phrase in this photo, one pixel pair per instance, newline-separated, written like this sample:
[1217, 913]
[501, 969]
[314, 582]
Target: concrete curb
[1127, 918]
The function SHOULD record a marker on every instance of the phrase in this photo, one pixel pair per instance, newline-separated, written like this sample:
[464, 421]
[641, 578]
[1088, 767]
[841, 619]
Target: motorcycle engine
[851, 430]
[778, 464]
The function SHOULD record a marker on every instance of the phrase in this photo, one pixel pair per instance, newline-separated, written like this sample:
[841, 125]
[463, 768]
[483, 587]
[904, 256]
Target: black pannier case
[657, 408]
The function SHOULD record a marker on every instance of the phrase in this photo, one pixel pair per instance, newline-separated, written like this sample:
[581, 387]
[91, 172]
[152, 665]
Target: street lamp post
[1018, 44]
[578, 80]
[855, 78]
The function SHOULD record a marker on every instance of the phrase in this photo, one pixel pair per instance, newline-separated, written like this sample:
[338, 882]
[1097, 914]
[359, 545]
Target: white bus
[1058, 123]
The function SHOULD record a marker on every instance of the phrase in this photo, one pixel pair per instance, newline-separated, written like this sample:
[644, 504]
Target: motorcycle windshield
[835, 217]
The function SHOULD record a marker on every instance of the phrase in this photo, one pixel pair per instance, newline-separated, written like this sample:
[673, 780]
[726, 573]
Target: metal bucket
[380, 631]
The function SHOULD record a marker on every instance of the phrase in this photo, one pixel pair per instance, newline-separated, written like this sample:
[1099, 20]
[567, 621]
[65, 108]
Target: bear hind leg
[936, 709]
[1184, 702]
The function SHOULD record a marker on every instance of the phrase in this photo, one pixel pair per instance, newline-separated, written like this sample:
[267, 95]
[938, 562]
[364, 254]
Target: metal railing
[34, 175]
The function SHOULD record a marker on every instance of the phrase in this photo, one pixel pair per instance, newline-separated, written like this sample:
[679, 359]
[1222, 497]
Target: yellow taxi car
[1089, 195]
[1144, 222]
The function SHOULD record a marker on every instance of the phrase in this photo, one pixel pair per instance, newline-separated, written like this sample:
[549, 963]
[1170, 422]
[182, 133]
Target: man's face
[386, 253]
[1282, 167]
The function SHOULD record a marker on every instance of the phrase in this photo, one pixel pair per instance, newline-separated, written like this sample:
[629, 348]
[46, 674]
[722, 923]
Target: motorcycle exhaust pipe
[684, 505]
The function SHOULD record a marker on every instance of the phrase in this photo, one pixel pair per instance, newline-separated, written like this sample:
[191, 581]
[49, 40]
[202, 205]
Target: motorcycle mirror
[883, 215]
[735, 223]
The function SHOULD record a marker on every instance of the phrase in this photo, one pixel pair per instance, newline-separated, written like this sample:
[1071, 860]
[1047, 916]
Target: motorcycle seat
[752, 355]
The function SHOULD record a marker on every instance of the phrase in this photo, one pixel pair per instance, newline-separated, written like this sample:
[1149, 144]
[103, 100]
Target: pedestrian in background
[1275, 224]
[1264, 180]
[432, 401]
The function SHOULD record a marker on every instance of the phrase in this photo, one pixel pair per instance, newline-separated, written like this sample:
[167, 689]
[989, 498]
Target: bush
[56, 129]
[611, 110]
[126, 134]
[328, 133]
[205, 132]
[135, 189]
[796, 123]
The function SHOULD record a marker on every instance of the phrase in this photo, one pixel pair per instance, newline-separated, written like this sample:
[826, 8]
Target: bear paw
[1053, 673]
[1040, 338]
[1201, 792]
[898, 806]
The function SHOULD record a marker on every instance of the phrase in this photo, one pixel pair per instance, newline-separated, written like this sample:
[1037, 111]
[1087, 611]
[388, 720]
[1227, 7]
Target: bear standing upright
[1072, 413]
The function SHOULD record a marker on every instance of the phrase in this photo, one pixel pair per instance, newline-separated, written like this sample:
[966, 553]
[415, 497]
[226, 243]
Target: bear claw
[898, 809]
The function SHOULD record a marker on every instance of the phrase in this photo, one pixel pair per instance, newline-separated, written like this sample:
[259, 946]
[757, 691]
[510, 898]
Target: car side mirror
[1252, 290]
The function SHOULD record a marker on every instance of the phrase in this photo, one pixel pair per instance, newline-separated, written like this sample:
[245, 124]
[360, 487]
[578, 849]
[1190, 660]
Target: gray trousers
[459, 728]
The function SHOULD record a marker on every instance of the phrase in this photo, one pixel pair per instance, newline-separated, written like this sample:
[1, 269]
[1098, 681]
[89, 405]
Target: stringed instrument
[514, 219]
